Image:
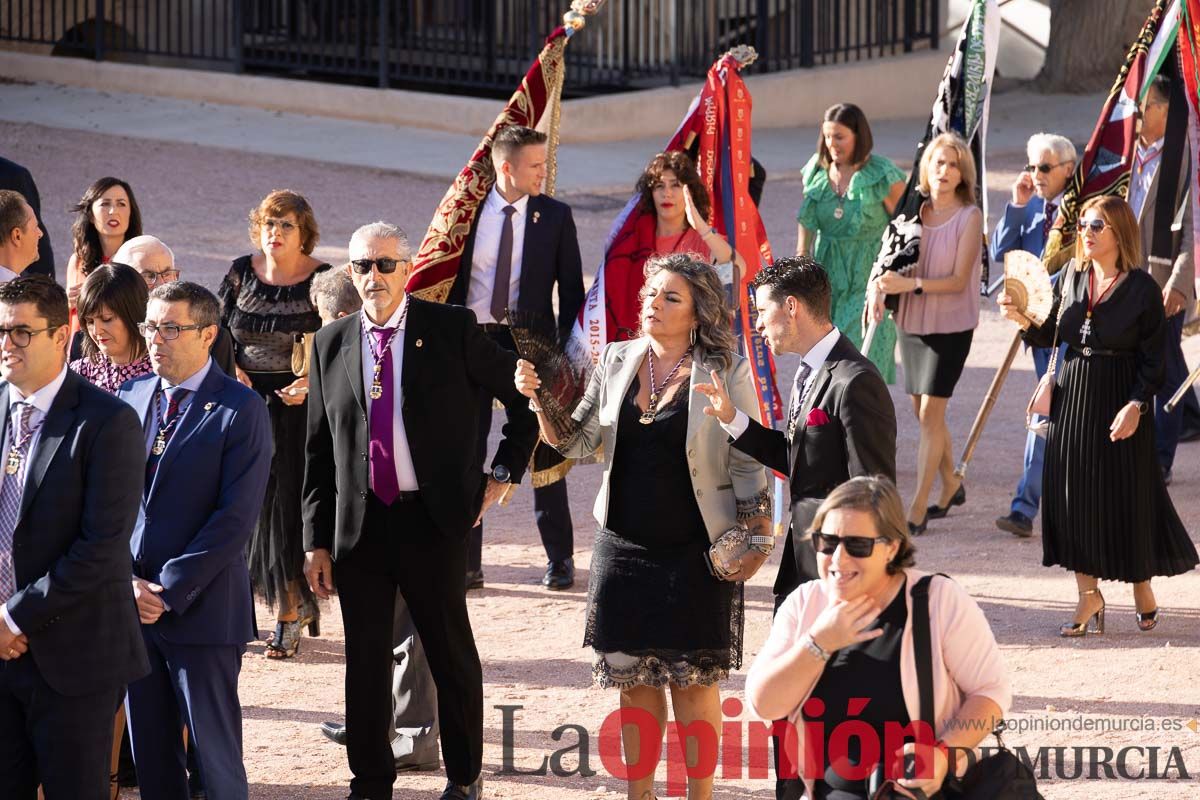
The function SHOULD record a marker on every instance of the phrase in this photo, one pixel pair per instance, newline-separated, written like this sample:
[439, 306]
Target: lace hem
[624, 671]
[758, 505]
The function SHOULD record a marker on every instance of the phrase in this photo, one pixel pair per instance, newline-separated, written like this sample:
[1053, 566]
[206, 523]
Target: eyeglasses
[858, 546]
[20, 337]
[169, 331]
[1044, 168]
[155, 278]
[386, 266]
[1097, 225]
[281, 224]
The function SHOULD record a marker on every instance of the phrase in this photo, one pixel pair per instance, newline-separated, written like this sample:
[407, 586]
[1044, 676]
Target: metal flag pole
[1184, 389]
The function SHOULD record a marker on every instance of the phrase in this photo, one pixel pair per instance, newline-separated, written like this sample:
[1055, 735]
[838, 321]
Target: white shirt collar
[1153, 147]
[1057, 201]
[392, 321]
[41, 399]
[193, 382]
[496, 203]
[7, 275]
[819, 352]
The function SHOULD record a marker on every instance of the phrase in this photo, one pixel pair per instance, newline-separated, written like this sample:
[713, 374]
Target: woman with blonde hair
[1106, 513]
[938, 314]
[657, 618]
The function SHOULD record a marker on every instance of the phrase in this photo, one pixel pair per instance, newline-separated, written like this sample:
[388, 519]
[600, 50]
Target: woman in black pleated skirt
[1106, 513]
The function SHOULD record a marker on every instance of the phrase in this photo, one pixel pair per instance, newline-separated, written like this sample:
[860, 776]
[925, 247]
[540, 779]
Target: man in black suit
[19, 235]
[69, 493]
[392, 485]
[15, 177]
[521, 244]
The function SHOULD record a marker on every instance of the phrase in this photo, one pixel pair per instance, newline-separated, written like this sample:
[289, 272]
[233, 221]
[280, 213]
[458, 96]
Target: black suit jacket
[859, 439]
[449, 362]
[551, 255]
[15, 177]
[71, 546]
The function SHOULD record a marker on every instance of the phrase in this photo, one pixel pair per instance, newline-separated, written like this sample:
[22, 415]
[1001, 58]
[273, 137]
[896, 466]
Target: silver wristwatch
[811, 646]
[763, 544]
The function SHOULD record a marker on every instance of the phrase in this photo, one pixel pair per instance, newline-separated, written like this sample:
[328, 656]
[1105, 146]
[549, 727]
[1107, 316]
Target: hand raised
[719, 404]
[845, 622]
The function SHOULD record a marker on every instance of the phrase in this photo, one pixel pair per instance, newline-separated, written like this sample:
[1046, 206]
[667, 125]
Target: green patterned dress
[847, 246]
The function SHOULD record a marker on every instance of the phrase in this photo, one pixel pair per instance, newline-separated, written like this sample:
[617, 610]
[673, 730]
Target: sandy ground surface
[1074, 692]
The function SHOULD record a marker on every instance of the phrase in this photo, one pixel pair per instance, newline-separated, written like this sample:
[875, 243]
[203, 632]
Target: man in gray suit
[414, 696]
[1166, 253]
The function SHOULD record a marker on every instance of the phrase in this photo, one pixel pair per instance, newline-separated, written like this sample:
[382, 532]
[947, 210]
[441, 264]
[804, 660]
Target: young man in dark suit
[521, 246]
[393, 482]
[207, 457]
[69, 494]
[15, 177]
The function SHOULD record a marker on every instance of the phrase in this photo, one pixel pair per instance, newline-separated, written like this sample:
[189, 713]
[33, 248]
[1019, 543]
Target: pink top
[687, 242]
[943, 313]
[966, 658]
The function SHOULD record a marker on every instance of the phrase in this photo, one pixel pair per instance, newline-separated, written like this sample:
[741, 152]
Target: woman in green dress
[849, 195]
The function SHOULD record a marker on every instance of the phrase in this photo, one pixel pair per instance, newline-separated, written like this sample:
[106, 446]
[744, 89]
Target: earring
[693, 337]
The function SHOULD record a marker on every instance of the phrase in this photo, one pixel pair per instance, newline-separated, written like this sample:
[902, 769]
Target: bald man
[155, 262]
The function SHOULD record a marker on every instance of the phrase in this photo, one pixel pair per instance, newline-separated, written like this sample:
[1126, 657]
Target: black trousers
[401, 550]
[551, 510]
[63, 743]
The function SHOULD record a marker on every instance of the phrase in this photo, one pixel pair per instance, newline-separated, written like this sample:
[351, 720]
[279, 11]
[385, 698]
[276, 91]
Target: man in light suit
[1036, 196]
[16, 178]
[392, 485]
[1173, 267]
[207, 455]
[521, 246]
[69, 494]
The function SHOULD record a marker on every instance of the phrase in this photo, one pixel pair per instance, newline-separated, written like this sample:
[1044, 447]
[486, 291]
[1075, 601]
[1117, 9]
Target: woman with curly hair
[106, 217]
[671, 188]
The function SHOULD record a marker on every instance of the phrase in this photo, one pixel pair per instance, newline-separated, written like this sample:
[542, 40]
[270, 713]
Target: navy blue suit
[195, 521]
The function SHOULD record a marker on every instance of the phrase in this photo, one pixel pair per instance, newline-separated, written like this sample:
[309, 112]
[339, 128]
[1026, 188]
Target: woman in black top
[265, 304]
[1106, 511]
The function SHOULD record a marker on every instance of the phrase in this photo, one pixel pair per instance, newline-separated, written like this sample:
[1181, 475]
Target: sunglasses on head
[858, 546]
[362, 266]
[1096, 225]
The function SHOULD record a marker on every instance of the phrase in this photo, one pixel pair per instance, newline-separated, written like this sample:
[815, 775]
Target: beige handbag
[301, 353]
[1043, 393]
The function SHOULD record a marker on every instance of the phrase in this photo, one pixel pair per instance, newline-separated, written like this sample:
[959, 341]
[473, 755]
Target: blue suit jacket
[1020, 229]
[205, 500]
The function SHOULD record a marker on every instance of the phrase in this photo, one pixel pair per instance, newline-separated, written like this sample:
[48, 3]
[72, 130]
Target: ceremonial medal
[651, 411]
[160, 443]
[648, 415]
[838, 213]
[376, 391]
[376, 386]
[13, 464]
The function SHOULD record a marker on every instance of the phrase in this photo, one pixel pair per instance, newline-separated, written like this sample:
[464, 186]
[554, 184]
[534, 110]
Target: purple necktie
[384, 482]
[1048, 222]
[500, 289]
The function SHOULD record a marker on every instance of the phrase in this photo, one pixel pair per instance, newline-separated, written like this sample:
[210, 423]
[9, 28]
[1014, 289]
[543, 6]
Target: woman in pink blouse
[938, 314]
[841, 650]
[112, 301]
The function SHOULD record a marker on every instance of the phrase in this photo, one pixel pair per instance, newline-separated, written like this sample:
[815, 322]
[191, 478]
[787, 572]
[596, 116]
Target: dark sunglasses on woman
[362, 266]
[856, 546]
[1096, 225]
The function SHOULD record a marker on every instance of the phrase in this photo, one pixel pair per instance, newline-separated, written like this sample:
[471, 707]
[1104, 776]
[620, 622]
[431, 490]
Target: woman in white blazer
[657, 618]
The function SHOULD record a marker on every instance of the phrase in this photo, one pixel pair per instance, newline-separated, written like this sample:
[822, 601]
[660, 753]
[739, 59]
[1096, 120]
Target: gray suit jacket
[723, 478]
[1180, 273]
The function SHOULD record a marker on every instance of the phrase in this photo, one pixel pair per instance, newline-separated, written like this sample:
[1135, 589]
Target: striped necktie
[19, 436]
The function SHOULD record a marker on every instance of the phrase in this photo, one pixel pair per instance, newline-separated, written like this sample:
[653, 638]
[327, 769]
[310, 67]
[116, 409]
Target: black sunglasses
[1044, 168]
[1096, 225]
[858, 546]
[362, 266]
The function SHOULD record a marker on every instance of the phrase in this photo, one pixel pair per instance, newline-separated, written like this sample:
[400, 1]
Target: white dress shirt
[1145, 167]
[41, 400]
[192, 384]
[487, 248]
[406, 473]
[815, 359]
[7, 275]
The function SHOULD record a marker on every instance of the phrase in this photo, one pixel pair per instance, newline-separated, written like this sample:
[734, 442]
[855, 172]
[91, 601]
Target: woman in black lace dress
[265, 305]
[657, 618]
[1106, 511]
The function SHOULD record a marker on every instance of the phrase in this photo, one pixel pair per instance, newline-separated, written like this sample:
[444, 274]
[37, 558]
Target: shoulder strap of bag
[923, 646]
[1063, 293]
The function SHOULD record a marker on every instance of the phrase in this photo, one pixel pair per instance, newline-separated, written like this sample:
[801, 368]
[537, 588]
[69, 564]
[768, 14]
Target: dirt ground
[1123, 689]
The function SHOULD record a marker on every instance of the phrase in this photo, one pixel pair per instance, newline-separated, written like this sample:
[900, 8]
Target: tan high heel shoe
[1075, 629]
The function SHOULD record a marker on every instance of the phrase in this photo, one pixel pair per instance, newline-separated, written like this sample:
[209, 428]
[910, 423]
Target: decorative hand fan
[1028, 284]
[563, 381]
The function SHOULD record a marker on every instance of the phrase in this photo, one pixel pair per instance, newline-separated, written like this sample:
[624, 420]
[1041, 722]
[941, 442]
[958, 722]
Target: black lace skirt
[657, 616]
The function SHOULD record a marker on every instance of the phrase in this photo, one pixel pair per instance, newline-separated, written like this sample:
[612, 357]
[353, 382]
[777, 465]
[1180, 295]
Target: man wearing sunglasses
[1025, 225]
[19, 235]
[521, 245]
[1159, 197]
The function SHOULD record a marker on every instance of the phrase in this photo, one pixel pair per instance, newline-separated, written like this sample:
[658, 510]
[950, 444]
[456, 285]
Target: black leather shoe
[334, 732]
[454, 791]
[474, 579]
[1017, 524]
[559, 575]
[957, 499]
[918, 529]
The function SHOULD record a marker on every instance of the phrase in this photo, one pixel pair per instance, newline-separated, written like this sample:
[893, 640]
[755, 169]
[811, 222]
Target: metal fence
[472, 46]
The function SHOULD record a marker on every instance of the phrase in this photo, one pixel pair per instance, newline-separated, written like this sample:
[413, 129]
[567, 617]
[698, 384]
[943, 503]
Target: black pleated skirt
[1106, 510]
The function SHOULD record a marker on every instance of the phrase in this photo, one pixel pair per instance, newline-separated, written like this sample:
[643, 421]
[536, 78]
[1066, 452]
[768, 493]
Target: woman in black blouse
[1106, 511]
[265, 305]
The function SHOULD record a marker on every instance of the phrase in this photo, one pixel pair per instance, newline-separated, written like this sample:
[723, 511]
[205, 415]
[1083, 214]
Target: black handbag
[1000, 776]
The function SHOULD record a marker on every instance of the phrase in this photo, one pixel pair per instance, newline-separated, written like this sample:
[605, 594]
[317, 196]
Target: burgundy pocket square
[816, 418]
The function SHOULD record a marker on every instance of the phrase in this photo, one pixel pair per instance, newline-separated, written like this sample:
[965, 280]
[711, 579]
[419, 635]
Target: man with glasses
[19, 235]
[155, 262]
[69, 494]
[1028, 217]
[206, 455]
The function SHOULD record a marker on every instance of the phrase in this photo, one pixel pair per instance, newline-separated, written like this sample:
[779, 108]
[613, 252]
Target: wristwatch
[501, 474]
[920, 289]
[1142, 406]
[812, 647]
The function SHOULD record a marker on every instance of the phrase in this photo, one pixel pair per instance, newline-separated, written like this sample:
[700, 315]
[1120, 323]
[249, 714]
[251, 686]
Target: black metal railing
[474, 46]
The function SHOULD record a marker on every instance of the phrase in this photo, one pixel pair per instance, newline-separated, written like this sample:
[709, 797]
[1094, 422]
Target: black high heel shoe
[1072, 630]
[918, 528]
[1147, 621]
[958, 499]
